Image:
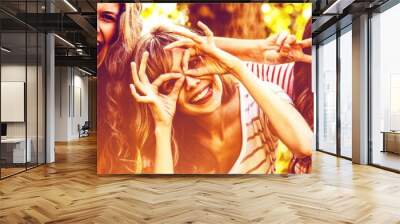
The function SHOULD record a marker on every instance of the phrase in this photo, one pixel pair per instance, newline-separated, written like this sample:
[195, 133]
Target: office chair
[84, 130]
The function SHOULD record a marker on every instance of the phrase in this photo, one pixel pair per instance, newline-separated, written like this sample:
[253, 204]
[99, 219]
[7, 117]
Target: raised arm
[162, 109]
[276, 49]
[286, 121]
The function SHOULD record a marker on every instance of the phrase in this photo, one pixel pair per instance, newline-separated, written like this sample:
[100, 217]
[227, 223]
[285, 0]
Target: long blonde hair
[116, 152]
[159, 62]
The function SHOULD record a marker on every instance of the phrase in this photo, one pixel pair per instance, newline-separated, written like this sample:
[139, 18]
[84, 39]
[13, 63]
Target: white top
[259, 144]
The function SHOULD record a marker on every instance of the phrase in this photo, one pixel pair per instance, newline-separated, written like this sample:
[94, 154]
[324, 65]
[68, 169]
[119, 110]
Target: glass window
[385, 89]
[31, 97]
[346, 93]
[327, 96]
[22, 89]
[41, 98]
[14, 153]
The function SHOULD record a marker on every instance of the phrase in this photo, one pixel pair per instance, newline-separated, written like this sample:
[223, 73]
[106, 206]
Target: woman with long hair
[118, 29]
[200, 110]
[303, 95]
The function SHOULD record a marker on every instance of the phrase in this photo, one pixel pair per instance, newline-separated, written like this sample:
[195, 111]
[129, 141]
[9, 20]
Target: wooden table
[391, 141]
[13, 150]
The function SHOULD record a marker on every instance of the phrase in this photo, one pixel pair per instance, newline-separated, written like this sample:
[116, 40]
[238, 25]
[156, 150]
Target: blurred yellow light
[167, 7]
[307, 13]
[283, 159]
[265, 8]
[288, 9]
[298, 6]
[267, 19]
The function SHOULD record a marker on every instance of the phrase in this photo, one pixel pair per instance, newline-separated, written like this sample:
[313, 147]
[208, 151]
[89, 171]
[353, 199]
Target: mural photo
[200, 88]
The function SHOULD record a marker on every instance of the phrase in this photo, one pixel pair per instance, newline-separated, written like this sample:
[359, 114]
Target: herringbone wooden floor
[69, 191]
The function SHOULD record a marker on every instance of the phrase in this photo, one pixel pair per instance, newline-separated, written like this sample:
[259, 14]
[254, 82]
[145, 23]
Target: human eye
[195, 62]
[167, 86]
[108, 17]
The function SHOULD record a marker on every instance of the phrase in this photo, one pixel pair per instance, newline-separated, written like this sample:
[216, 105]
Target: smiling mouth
[203, 96]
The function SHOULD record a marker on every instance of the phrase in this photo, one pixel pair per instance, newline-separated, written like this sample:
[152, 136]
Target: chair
[84, 130]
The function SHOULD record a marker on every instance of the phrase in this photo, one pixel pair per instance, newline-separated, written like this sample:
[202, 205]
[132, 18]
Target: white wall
[61, 103]
[16, 73]
[80, 111]
[71, 94]
[9, 73]
[33, 127]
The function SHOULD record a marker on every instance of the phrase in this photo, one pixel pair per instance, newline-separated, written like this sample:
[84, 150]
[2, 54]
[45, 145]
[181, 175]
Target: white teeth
[200, 95]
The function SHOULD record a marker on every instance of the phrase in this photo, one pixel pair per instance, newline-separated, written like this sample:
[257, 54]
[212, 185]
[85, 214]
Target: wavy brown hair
[302, 93]
[116, 152]
[159, 62]
[304, 101]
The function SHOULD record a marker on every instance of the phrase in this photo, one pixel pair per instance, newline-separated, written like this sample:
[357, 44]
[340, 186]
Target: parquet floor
[10, 171]
[69, 191]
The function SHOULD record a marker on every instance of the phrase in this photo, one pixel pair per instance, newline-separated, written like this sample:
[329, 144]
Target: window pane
[346, 93]
[385, 114]
[22, 87]
[41, 99]
[13, 86]
[327, 96]
[31, 97]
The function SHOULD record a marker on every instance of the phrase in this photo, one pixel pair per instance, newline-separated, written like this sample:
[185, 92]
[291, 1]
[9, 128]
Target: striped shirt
[280, 74]
[259, 144]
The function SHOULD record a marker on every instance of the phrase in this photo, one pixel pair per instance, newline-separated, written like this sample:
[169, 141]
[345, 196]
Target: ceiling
[330, 15]
[74, 22]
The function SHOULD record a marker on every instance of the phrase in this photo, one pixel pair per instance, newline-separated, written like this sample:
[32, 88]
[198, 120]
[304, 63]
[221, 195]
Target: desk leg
[384, 142]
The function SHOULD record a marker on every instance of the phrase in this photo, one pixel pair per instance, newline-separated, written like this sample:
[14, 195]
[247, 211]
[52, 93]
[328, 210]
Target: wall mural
[197, 88]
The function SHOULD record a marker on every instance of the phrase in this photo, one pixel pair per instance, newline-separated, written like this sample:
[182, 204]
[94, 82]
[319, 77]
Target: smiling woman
[173, 101]
[224, 120]
[107, 22]
[118, 28]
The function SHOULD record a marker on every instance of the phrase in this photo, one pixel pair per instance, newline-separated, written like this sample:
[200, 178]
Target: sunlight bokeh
[278, 17]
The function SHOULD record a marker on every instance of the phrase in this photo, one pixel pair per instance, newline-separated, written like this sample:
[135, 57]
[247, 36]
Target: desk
[391, 141]
[13, 150]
